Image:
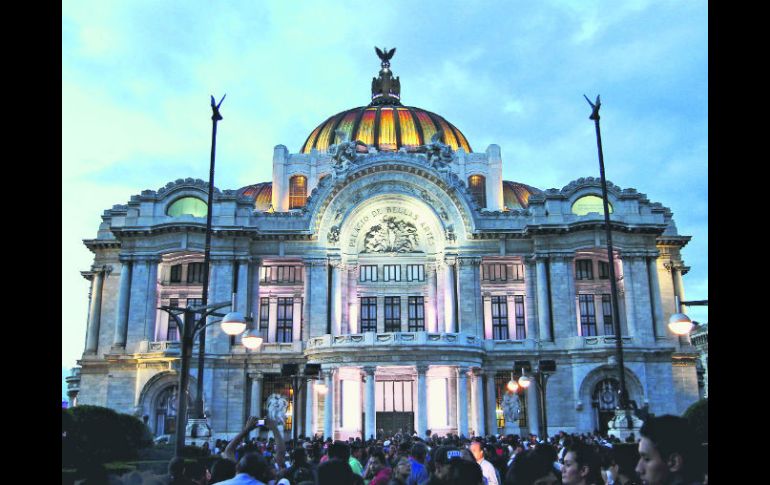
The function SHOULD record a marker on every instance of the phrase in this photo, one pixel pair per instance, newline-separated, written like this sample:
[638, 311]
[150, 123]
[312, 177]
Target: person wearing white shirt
[487, 469]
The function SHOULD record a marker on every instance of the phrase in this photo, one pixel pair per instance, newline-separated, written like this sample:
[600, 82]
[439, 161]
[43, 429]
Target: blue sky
[136, 80]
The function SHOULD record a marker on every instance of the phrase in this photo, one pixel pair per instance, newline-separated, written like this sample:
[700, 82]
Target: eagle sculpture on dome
[385, 88]
[385, 55]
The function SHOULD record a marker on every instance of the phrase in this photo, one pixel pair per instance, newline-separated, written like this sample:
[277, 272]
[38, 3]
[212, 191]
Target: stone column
[352, 300]
[151, 305]
[563, 296]
[677, 271]
[657, 304]
[422, 401]
[280, 181]
[530, 302]
[491, 407]
[440, 296]
[256, 394]
[511, 307]
[450, 295]
[329, 405]
[487, 299]
[272, 322]
[310, 408]
[543, 306]
[462, 401]
[121, 318]
[336, 297]
[430, 308]
[471, 311]
[296, 320]
[253, 299]
[94, 317]
[306, 293]
[343, 299]
[318, 300]
[533, 408]
[370, 409]
[220, 289]
[242, 300]
[628, 296]
[479, 401]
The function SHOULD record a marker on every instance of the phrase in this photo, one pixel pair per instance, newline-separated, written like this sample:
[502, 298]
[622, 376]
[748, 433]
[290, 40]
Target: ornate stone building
[395, 256]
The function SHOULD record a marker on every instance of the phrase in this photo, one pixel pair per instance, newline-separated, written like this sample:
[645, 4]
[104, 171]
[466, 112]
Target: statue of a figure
[344, 153]
[276, 408]
[439, 153]
[511, 407]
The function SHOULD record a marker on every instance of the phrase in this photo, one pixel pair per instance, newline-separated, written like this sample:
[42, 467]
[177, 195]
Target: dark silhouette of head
[255, 465]
[339, 450]
[222, 469]
[335, 472]
[464, 472]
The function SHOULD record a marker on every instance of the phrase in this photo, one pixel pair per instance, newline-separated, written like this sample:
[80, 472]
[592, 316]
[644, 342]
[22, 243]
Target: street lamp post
[233, 324]
[623, 405]
[540, 375]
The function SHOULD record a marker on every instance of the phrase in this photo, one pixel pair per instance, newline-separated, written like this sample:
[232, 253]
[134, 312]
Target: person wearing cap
[441, 456]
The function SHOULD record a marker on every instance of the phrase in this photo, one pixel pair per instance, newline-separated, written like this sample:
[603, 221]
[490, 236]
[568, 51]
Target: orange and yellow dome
[386, 128]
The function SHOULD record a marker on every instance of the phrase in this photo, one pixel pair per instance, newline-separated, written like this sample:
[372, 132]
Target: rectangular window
[587, 315]
[280, 274]
[392, 313]
[391, 272]
[518, 305]
[264, 316]
[609, 324]
[368, 314]
[176, 274]
[518, 272]
[285, 323]
[584, 269]
[494, 272]
[416, 313]
[499, 318]
[368, 273]
[604, 270]
[415, 272]
[195, 273]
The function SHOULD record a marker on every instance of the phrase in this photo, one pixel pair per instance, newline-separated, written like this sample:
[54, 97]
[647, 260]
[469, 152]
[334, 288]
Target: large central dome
[384, 124]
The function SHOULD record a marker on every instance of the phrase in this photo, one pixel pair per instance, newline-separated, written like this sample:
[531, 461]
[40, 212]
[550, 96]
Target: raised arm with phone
[252, 423]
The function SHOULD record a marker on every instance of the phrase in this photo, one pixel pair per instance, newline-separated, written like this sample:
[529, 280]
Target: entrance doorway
[605, 401]
[394, 422]
[394, 406]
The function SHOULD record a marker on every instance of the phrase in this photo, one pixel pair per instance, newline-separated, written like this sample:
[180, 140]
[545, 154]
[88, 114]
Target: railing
[369, 339]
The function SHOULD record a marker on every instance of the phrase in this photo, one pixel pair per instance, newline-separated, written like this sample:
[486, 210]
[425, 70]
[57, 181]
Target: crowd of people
[667, 452]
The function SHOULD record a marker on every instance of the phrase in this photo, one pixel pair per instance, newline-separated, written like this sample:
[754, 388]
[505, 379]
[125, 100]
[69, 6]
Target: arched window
[297, 192]
[478, 189]
[187, 205]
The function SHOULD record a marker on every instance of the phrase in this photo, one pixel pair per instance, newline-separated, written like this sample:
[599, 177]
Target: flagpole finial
[215, 116]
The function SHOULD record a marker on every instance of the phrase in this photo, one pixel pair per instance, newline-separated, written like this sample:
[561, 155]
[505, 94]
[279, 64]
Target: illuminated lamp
[251, 340]
[233, 323]
[680, 324]
[524, 381]
[513, 386]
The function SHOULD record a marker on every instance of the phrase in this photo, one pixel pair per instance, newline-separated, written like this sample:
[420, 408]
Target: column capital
[317, 262]
[104, 268]
[450, 259]
[476, 371]
[473, 261]
[462, 371]
[125, 258]
[244, 259]
[369, 369]
[89, 275]
[256, 375]
[422, 368]
[633, 255]
[335, 262]
[255, 260]
[146, 258]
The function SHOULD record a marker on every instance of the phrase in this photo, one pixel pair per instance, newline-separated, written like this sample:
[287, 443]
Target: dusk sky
[137, 76]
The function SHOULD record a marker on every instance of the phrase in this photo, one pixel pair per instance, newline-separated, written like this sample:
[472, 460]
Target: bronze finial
[385, 88]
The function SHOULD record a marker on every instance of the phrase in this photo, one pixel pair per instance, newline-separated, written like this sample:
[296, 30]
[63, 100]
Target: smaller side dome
[262, 193]
[516, 195]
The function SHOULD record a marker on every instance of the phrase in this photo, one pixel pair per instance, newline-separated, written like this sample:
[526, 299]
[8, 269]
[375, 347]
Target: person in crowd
[668, 452]
[356, 452]
[196, 473]
[402, 471]
[377, 471]
[440, 463]
[335, 472]
[622, 458]
[487, 469]
[533, 466]
[300, 469]
[464, 472]
[222, 469]
[418, 472]
[581, 466]
[176, 471]
[252, 469]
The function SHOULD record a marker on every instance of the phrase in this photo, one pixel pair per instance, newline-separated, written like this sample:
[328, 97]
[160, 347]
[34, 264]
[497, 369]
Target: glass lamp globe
[321, 388]
[524, 381]
[680, 324]
[251, 340]
[513, 386]
[233, 323]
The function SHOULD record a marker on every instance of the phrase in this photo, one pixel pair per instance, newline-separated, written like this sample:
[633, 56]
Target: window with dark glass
[176, 274]
[415, 272]
[285, 321]
[499, 318]
[297, 192]
[172, 335]
[494, 272]
[195, 273]
[587, 315]
[518, 272]
[584, 269]
[609, 324]
[391, 272]
[478, 188]
[368, 273]
[281, 274]
[604, 270]
[368, 314]
[518, 306]
[392, 313]
[264, 316]
[416, 306]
